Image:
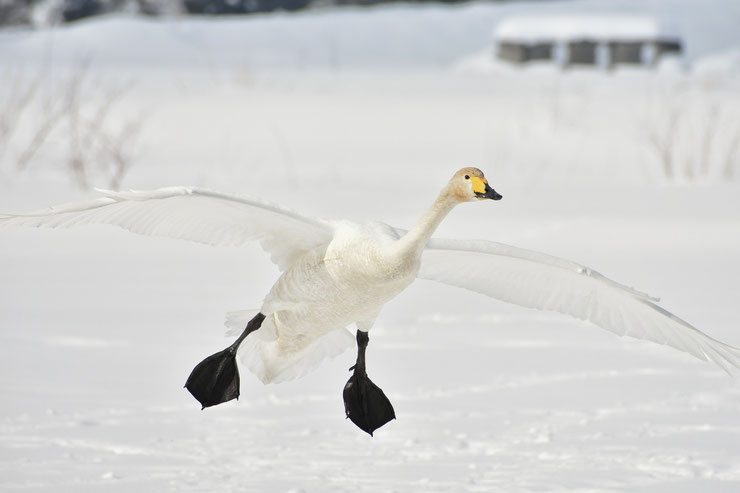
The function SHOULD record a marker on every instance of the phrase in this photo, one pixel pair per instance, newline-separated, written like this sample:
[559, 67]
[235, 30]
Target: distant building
[603, 41]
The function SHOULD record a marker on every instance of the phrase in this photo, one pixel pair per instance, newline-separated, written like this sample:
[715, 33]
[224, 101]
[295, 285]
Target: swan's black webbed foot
[364, 402]
[216, 379]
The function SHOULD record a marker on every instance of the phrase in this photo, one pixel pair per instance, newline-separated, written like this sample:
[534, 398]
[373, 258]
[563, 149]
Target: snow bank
[603, 27]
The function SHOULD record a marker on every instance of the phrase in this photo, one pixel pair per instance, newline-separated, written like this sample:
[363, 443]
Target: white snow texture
[364, 114]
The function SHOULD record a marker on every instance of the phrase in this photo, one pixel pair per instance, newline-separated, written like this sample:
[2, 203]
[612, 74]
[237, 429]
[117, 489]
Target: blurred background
[138, 93]
[611, 127]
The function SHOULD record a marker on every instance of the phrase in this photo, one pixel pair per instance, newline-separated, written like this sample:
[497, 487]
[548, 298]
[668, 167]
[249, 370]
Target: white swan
[338, 273]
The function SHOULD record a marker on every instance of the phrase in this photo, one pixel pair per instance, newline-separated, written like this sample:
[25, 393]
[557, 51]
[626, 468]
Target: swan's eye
[467, 177]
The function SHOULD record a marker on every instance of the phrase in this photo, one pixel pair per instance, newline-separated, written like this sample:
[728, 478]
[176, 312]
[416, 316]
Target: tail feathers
[237, 320]
[263, 356]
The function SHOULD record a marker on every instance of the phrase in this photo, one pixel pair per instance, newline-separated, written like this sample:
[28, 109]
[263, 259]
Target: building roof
[611, 27]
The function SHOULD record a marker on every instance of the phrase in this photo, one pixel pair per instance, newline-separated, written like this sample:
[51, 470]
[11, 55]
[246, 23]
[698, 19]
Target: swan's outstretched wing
[537, 280]
[193, 214]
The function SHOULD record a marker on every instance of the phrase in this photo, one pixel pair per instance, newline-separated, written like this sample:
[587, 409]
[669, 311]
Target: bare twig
[732, 161]
[119, 149]
[40, 135]
[661, 136]
[77, 113]
[16, 101]
[707, 138]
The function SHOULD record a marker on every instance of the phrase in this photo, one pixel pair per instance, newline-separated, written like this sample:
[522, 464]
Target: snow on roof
[574, 27]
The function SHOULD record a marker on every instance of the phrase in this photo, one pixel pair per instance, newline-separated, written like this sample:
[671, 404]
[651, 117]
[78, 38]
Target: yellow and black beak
[483, 190]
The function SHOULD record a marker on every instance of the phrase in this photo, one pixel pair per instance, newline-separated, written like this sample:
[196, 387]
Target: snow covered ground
[365, 115]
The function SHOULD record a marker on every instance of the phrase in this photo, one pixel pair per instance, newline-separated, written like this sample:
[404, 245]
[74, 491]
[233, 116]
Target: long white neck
[414, 241]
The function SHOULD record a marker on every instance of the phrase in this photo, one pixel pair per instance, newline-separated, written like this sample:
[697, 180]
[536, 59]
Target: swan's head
[469, 184]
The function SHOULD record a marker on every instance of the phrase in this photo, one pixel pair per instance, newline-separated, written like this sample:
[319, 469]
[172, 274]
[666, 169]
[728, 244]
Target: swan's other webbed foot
[216, 379]
[364, 402]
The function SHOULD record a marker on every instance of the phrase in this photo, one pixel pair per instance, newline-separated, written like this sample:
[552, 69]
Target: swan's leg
[216, 379]
[364, 403]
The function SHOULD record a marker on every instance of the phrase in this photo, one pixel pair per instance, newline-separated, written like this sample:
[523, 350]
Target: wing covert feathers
[192, 214]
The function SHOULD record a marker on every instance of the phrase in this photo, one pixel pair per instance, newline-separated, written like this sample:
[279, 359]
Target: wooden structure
[604, 41]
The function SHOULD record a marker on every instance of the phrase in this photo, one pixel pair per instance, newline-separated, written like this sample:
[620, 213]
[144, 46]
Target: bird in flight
[338, 273]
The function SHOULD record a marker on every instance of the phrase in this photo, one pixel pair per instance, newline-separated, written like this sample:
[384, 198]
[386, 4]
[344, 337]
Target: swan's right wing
[537, 280]
[192, 214]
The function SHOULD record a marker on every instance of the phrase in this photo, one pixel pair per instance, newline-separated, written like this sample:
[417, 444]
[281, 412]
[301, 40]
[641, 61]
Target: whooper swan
[336, 273]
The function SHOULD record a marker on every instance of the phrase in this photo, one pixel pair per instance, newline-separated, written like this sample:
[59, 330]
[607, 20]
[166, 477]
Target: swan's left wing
[192, 214]
[537, 280]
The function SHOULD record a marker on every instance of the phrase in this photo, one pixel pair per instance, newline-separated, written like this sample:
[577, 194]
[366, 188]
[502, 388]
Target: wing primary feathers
[537, 280]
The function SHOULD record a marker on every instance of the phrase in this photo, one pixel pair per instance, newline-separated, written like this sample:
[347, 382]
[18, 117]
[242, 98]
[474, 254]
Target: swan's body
[346, 281]
[327, 289]
[338, 273]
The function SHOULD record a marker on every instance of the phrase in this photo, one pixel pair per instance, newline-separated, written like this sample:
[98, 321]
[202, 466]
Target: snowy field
[365, 114]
